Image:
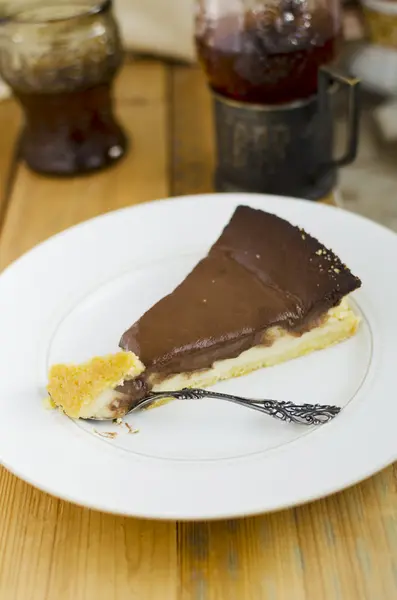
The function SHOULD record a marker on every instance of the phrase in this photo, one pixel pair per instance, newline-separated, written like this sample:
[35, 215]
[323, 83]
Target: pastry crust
[88, 390]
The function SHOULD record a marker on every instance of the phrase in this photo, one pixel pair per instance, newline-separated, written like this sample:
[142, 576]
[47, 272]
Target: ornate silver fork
[303, 414]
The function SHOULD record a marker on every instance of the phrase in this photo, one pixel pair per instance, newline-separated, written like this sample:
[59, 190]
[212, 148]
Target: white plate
[74, 295]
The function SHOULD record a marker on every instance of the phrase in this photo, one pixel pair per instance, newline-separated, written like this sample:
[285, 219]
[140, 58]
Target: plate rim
[206, 517]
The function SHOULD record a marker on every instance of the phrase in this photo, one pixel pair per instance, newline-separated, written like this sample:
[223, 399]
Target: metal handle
[328, 76]
[302, 414]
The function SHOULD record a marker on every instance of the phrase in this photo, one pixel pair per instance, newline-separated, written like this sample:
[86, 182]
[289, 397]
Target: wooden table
[340, 548]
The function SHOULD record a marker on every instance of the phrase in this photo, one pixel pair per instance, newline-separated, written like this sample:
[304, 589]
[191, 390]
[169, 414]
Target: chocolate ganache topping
[261, 272]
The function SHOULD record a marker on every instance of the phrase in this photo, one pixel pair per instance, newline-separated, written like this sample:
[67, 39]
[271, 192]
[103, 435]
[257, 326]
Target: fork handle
[302, 414]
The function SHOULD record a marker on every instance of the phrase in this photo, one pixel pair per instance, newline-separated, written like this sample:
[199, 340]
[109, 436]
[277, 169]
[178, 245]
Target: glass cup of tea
[60, 59]
[269, 64]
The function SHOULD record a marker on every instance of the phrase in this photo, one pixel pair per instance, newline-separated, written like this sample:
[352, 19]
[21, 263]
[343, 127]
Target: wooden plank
[49, 205]
[342, 547]
[10, 123]
[192, 149]
[50, 549]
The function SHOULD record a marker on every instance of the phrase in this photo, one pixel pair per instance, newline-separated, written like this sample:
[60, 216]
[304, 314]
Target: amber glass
[266, 52]
[60, 58]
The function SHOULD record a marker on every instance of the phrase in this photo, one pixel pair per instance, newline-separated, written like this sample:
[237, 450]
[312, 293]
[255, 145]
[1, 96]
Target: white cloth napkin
[162, 27]
[158, 27]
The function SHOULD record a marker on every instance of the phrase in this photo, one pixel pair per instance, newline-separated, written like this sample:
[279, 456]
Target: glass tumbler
[60, 59]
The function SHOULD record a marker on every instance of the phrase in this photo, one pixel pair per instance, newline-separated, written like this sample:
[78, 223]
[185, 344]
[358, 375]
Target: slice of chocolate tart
[267, 292]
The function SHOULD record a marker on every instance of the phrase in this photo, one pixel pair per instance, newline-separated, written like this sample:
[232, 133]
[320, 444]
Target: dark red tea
[71, 132]
[268, 58]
